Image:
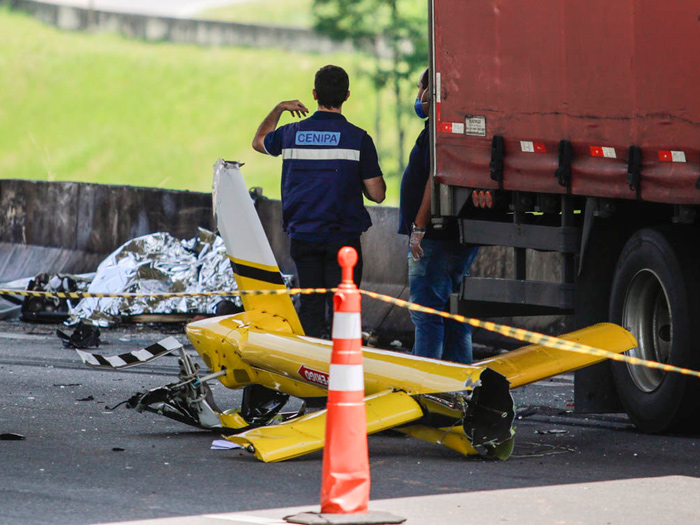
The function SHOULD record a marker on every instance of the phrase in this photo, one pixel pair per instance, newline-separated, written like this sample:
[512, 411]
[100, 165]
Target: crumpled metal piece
[12, 436]
[159, 263]
[85, 336]
[52, 309]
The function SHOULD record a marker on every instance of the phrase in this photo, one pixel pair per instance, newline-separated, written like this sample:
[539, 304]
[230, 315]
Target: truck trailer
[573, 127]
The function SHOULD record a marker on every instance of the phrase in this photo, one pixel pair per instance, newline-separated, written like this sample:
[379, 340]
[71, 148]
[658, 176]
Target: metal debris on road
[52, 309]
[11, 436]
[222, 444]
[88, 398]
[540, 450]
[84, 336]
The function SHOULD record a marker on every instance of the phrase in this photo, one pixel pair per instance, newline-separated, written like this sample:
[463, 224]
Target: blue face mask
[418, 106]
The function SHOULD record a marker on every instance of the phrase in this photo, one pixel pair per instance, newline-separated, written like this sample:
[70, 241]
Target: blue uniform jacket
[324, 160]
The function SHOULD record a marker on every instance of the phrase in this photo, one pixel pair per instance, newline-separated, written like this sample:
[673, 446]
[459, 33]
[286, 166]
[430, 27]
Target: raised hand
[295, 107]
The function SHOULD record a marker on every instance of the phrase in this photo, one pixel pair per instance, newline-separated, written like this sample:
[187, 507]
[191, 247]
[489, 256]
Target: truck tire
[594, 386]
[655, 294]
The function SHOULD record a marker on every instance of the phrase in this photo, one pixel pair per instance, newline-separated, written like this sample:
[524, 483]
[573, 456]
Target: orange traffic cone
[345, 481]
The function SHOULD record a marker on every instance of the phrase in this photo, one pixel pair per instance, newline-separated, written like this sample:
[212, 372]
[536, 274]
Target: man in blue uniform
[437, 261]
[327, 166]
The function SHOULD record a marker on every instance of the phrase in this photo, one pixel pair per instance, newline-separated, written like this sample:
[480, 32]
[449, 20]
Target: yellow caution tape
[519, 334]
[166, 295]
[534, 337]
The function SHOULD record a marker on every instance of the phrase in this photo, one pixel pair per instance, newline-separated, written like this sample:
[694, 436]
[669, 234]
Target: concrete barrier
[70, 227]
[180, 30]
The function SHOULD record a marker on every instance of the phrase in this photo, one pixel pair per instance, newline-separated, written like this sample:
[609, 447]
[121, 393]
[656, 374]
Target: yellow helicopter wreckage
[263, 350]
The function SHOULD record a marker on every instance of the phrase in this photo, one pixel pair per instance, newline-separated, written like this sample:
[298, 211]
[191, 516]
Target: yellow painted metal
[289, 386]
[276, 305]
[215, 340]
[232, 419]
[219, 341]
[286, 440]
[307, 434]
[535, 362]
[257, 347]
[453, 438]
[383, 370]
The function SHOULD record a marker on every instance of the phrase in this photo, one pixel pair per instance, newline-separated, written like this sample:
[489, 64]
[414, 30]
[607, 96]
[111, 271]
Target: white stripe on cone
[346, 378]
[347, 325]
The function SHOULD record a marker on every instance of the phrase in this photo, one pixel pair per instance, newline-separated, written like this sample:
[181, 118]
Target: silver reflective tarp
[154, 264]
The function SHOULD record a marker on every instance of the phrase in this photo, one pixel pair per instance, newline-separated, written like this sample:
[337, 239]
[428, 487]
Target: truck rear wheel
[655, 295]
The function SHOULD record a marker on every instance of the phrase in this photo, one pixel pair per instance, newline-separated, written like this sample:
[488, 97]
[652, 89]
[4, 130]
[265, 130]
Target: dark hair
[331, 85]
[425, 78]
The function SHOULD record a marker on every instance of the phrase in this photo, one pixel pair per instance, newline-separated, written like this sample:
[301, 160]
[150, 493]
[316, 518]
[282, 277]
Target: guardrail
[179, 30]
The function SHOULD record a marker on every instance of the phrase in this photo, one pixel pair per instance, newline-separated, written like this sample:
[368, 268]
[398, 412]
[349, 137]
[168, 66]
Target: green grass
[295, 13]
[101, 108]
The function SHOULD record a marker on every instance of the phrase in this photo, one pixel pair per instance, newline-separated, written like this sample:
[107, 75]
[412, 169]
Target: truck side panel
[603, 75]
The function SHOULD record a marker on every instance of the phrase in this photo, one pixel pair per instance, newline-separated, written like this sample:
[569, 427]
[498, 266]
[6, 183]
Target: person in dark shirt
[437, 261]
[327, 166]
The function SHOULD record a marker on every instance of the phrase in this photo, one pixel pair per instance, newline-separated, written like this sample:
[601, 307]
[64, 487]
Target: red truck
[573, 126]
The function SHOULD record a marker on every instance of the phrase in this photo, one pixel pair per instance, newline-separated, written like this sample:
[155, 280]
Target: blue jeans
[431, 280]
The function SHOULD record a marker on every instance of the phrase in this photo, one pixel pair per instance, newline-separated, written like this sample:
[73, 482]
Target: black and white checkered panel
[137, 357]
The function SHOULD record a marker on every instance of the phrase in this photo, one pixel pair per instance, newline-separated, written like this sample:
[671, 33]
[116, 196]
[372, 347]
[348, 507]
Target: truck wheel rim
[647, 314]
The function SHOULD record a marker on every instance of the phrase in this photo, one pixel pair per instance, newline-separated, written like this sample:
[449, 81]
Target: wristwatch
[415, 228]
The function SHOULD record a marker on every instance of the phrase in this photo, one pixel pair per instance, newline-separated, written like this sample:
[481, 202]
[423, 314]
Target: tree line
[394, 33]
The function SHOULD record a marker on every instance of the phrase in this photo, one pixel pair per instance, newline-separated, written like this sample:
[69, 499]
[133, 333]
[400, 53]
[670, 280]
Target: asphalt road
[81, 463]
